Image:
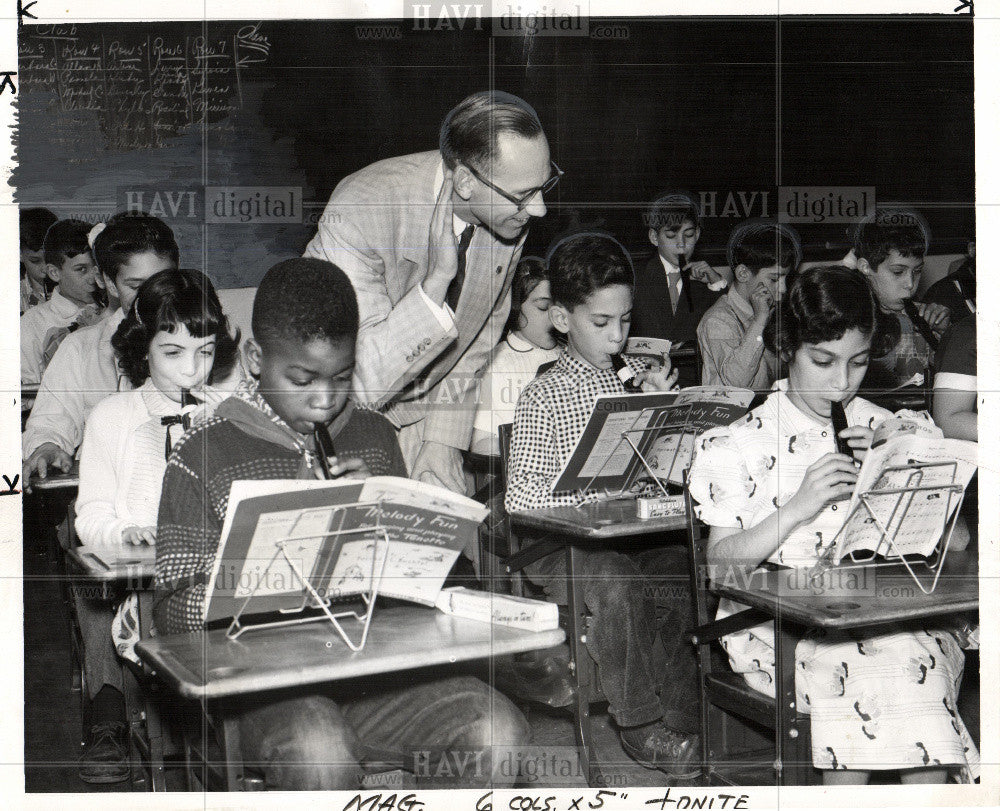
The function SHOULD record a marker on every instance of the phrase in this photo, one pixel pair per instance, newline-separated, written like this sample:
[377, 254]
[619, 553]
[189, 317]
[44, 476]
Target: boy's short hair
[762, 244]
[128, 233]
[470, 130]
[891, 229]
[302, 300]
[34, 222]
[581, 264]
[673, 209]
[64, 239]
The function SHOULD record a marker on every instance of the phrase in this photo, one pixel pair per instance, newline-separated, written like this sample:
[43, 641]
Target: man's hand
[137, 536]
[47, 455]
[762, 302]
[442, 247]
[441, 465]
[937, 316]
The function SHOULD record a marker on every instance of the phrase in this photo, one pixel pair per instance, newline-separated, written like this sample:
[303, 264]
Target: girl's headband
[94, 233]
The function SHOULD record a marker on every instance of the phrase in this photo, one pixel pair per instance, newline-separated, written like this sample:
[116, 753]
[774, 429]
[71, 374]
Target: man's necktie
[673, 279]
[455, 288]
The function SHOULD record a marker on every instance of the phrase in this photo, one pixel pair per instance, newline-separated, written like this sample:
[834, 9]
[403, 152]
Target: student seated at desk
[773, 488]
[36, 286]
[529, 343]
[305, 323]
[130, 249]
[70, 265]
[889, 248]
[172, 340]
[762, 255]
[591, 280]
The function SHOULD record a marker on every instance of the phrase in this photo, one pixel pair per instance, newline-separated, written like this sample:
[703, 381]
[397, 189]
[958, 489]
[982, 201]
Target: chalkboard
[155, 114]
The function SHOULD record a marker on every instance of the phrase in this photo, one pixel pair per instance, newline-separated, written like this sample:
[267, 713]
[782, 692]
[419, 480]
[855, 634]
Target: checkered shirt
[551, 413]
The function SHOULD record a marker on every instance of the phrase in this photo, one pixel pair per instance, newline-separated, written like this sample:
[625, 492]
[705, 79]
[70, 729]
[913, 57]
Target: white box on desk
[500, 609]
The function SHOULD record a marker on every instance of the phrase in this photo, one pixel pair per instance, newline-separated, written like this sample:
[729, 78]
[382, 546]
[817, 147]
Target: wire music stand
[886, 547]
[318, 595]
[680, 426]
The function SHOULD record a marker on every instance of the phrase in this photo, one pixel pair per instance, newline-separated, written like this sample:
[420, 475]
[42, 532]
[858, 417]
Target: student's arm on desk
[955, 413]
[187, 538]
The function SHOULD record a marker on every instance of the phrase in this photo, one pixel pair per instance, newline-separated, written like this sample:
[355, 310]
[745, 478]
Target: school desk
[208, 666]
[862, 597]
[843, 599]
[596, 524]
[57, 480]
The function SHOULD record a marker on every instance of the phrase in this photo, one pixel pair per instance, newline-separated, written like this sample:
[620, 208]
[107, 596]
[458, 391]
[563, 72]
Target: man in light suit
[434, 295]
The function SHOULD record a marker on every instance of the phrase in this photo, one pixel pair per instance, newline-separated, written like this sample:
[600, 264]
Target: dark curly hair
[65, 239]
[891, 229]
[128, 233]
[529, 274]
[165, 300]
[822, 304]
[305, 299]
[581, 264]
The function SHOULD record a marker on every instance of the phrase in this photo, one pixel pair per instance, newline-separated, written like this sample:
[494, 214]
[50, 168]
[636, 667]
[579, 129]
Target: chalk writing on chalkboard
[144, 88]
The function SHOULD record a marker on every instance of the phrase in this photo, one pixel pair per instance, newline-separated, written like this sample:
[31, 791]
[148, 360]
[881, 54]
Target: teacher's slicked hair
[469, 132]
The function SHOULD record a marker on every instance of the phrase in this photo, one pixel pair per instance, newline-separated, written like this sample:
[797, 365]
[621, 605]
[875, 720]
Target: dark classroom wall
[727, 108]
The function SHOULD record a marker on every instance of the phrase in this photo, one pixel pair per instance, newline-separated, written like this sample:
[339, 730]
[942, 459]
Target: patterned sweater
[245, 440]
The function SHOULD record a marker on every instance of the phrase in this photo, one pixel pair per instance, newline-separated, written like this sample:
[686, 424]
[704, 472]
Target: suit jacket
[652, 318]
[411, 363]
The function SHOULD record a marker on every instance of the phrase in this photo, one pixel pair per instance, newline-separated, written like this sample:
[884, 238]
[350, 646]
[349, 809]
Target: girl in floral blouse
[773, 488]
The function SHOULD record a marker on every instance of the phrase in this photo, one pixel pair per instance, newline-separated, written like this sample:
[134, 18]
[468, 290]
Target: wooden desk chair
[914, 398]
[571, 677]
[724, 693]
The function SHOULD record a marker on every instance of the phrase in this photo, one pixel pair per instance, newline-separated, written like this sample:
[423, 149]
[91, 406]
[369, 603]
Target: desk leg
[154, 729]
[792, 752]
[232, 753]
[582, 670]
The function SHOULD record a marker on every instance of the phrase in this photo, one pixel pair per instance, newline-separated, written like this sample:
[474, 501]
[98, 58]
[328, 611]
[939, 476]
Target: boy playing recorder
[305, 322]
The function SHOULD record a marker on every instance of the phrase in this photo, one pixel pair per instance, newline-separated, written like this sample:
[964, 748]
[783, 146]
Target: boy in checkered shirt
[591, 280]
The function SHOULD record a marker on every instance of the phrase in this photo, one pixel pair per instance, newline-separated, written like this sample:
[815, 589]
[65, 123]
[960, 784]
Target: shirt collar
[738, 303]
[669, 268]
[519, 344]
[573, 365]
[62, 305]
[790, 414]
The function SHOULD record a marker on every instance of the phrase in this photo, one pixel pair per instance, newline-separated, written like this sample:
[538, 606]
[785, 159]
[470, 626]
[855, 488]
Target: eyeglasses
[522, 200]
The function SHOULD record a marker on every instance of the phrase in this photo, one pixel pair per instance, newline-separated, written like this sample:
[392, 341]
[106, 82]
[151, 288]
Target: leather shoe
[657, 746]
[105, 756]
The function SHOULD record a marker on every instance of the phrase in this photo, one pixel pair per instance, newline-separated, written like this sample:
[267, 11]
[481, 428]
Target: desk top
[131, 564]
[860, 597]
[598, 519]
[208, 665]
[58, 480]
